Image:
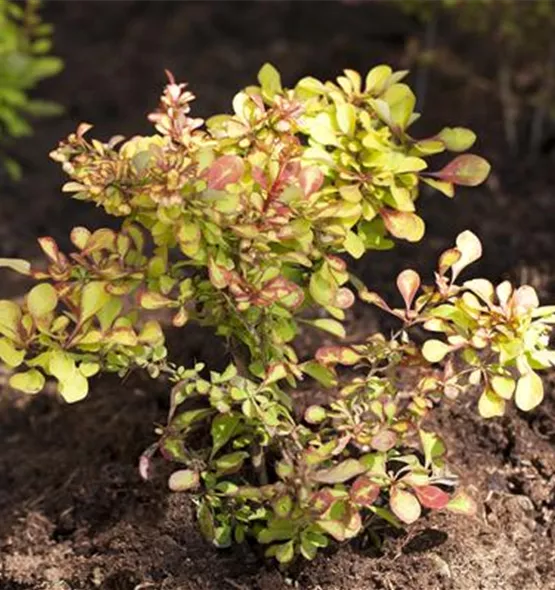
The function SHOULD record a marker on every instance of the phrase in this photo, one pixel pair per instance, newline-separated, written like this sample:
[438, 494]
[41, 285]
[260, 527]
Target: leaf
[270, 80]
[457, 139]
[503, 386]
[328, 325]
[466, 170]
[432, 445]
[311, 180]
[329, 355]
[344, 298]
[339, 473]
[490, 404]
[80, 236]
[446, 188]
[42, 300]
[408, 283]
[9, 354]
[470, 248]
[285, 552]
[333, 528]
[525, 300]
[462, 503]
[218, 274]
[93, 298]
[322, 289]
[222, 430]
[75, 388]
[29, 382]
[401, 101]
[354, 245]
[529, 392]
[322, 374]
[431, 497]
[275, 372]
[364, 491]
[315, 414]
[404, 505]
[384, 440]
[153, 300]
[404, 225]
[346, 118]
[223, 171]
[18, 264]
[376, 79]
[10, 317]
[183, 480]
[434, 351]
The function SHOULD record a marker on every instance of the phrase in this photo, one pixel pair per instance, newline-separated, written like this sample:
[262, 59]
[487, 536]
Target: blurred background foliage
[25, 60]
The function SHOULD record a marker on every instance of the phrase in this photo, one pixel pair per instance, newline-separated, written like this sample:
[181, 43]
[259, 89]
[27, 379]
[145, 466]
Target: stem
[508, 104]
[540, 110]
[423, 72]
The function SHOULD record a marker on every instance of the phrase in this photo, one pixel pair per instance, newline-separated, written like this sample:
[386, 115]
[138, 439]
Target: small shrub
[239, 224]
[25, 45]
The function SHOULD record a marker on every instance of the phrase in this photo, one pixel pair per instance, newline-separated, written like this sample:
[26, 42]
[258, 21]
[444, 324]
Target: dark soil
[74, 513]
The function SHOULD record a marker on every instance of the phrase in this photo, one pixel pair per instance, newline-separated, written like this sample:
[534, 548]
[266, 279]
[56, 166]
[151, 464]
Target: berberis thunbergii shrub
[247, 215]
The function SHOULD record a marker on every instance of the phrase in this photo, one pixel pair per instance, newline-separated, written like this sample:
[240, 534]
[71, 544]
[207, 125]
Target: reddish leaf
[408, 283]
[223, 171]
[280, 289]
[311, 180]
[329, 355]
[384, 440]
[466, 170]
[432, 497]
[364, 491]
[344, 298]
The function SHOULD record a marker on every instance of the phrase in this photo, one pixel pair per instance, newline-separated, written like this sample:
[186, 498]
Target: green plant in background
[239, 224]
[25, 45]
[521, 35]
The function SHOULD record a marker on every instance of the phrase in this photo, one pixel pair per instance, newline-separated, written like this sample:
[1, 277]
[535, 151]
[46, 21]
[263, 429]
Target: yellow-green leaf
[529, 392]
[490, 404]
[42, 300]
[434, 351]
[29, 382]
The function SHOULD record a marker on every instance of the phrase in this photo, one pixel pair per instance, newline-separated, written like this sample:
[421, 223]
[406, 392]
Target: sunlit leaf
[404, 505]
[529, 392]
[465, 170]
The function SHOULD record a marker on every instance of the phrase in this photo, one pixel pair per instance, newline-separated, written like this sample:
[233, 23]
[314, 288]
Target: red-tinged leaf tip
[311, 180]
[408, 283]
[403, 225]
[50, 248]
[465, 170]
[223, 171]
[431, 497]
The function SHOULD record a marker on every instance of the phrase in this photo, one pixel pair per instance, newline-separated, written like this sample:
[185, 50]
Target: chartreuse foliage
[238, 224]
[25, 45]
